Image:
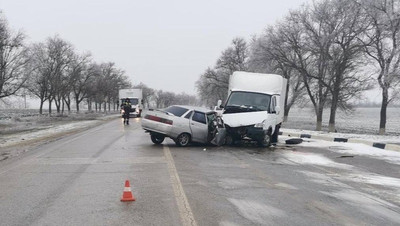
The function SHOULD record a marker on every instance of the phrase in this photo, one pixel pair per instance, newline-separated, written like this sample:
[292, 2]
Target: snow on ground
[395, 139]
[358, 121]
[350, 149]
[311, 159]
[25, 129]
[14, 139]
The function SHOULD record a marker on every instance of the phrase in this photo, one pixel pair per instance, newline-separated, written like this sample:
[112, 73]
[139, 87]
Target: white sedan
[183, 124]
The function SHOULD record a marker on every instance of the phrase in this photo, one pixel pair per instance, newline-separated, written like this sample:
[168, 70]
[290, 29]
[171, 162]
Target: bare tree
[13, 60]
[60, 54]
[185, 99]
[266, 57]
[234, 58]
[301, 44]
[383, 48]
[324, 38]
[344, 56]
[39, 80]
[81, 70]
[213, 83]
[164, 99]
[148, 93]
[107, 83]
[213, 86]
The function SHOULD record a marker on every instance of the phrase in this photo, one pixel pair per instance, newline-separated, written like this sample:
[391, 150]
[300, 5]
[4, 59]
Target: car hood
[244, 118]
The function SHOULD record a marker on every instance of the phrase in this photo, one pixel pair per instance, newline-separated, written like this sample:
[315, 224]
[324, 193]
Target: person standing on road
[127, 109]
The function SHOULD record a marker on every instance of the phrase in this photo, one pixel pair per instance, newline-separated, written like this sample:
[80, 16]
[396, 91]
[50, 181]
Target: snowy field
[360, 121]
[23, 128]
[17, 120]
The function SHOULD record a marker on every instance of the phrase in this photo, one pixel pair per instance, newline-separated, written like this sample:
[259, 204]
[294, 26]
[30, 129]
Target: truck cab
[252, 111]
[136, 109]
[135, 98]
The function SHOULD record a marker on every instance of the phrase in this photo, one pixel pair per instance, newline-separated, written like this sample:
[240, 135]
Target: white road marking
[185, 212]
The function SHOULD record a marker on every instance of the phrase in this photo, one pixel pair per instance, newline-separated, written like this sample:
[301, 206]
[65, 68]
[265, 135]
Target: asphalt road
[79, 180]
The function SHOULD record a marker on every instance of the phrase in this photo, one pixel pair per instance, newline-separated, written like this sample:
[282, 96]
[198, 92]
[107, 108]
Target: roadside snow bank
[21, 138]
[366, 137]
[353, 149]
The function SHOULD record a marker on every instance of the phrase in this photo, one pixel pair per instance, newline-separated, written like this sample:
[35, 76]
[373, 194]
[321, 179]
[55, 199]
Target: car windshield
[247, 101]
[175, 110]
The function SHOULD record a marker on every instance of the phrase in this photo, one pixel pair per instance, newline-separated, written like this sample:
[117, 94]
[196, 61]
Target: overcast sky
[164, 44]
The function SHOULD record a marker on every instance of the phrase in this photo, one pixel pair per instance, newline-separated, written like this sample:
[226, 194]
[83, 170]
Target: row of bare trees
[330, 51]
[55, 73]
[153, 98]
[213, 83]
[59, 75]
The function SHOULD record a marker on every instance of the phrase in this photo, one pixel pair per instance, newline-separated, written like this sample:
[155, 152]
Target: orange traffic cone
[127, 195]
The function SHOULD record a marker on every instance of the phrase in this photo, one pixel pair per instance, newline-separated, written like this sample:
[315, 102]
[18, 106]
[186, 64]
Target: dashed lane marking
[185, 212]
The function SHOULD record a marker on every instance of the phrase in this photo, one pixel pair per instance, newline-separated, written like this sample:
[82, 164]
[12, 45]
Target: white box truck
[254, 108]
[135, 98]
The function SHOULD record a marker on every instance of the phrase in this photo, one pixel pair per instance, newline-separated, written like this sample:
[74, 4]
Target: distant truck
[254, 108]
[135, 97]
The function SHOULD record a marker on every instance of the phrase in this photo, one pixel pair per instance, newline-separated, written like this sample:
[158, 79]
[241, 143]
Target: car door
[199, 127]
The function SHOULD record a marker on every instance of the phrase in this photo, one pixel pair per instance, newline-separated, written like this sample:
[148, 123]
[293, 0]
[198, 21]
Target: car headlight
[260, 125]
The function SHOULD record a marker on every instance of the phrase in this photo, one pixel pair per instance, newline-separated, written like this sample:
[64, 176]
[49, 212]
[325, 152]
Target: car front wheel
[156, 138]
[183, 140]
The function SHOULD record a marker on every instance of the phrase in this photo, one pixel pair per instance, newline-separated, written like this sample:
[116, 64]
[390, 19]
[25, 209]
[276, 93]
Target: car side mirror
[219, 105]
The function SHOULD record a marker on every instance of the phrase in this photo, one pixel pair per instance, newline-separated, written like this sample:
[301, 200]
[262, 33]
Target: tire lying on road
[294, 141]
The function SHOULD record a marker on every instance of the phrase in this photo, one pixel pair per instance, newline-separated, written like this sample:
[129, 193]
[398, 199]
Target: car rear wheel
[183, 140]
[157, 138]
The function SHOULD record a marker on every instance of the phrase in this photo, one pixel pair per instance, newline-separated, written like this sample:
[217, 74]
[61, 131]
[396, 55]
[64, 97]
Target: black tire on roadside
[157, 138]
[183, 140]
[294, 141]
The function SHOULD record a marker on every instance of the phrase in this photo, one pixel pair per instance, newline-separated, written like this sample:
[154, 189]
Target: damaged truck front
[254, 108]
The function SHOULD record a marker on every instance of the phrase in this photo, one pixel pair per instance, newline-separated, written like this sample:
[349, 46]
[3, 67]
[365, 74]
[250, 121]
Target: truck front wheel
[266, 142]
[274, 138]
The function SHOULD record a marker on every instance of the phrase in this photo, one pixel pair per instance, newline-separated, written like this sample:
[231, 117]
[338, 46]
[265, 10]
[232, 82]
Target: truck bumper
[256, 133]
[246, 132]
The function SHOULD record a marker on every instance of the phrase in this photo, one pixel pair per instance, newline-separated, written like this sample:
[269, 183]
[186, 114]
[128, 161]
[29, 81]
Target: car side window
[199, 117]
[189, 114]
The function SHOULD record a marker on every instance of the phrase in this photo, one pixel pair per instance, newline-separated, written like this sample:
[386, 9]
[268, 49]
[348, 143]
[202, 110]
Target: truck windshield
[133, 101]
[246, 102]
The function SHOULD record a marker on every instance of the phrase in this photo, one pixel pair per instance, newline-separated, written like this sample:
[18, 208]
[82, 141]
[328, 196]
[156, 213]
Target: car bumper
[157, 127]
